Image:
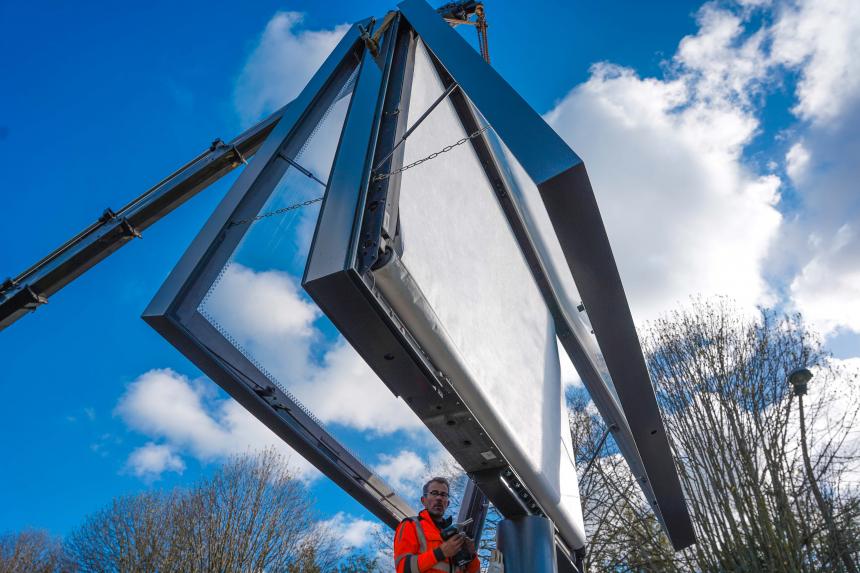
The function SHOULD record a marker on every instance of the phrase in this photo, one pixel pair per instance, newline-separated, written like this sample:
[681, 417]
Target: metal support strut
[528, 545]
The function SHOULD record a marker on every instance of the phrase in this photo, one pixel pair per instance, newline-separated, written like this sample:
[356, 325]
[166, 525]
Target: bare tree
[622, 535]
[720, 377]
[32, 551]
[251, 515]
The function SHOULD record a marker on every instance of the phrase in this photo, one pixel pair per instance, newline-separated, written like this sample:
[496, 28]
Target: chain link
[280, 211]
[446, 149]
[377, 177]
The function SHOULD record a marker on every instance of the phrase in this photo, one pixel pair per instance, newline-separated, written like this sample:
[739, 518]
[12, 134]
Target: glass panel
[257, 302]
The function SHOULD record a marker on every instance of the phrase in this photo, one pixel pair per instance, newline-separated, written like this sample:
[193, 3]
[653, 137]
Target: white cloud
[403, 471]
[828, 286]
[272, 309]
[796, 162]
[281, 64]
[152, 460]
[819, 40]
[352, 532]
[264, 312]
[187, 417]
[684, 214]
[346, 391]
[407, 471]
[719, 63]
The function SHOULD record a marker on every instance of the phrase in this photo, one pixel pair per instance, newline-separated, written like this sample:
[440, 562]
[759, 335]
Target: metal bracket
[239, 155]
[8, 285]
[129, 229]
[35, 298]
[219, 144]
[107, 215]
[24, 299]
[371, 44]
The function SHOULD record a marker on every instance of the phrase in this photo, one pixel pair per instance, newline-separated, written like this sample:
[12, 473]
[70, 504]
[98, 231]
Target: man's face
[436, 501]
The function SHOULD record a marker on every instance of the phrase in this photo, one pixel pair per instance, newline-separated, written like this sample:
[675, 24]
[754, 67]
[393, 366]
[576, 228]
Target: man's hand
[470, 545]
[453, 545]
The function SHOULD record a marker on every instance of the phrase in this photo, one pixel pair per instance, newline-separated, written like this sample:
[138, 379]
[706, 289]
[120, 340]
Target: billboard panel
[482, 317]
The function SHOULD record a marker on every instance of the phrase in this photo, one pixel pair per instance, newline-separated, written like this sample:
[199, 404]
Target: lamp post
[799, 379]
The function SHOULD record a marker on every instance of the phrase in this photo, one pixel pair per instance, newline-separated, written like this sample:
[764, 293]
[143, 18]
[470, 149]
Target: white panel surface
[485, 308]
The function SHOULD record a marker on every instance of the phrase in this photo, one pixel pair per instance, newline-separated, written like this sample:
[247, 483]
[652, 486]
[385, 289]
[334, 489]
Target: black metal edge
[280, 412]
[216, 240]
[380, 221]
[576, 219]
[336, 248]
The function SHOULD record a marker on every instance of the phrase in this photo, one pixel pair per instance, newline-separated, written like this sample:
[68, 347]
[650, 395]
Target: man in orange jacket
[418, 545]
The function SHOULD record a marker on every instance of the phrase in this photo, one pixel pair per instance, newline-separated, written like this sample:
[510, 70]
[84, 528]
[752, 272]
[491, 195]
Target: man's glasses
[442, 494]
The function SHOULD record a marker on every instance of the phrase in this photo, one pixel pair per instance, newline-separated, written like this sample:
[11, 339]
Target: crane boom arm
[31, 288]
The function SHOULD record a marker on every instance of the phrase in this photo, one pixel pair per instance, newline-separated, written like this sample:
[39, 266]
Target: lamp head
[799, 379]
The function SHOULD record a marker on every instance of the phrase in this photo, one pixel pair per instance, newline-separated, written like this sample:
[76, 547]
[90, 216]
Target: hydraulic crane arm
[112, 230]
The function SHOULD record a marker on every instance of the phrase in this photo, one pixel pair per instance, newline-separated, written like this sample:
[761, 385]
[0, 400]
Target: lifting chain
[376, 177]
[280, 211]
[446, 149]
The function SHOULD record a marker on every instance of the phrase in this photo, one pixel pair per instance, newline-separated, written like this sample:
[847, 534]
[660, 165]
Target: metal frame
[337, 278]
[174, 310]
[630, 410]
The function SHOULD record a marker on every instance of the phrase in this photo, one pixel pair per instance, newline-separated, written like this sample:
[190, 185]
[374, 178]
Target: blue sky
[721, 140]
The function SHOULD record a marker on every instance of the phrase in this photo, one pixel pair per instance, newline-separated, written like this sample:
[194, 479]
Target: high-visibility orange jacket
[415, 548]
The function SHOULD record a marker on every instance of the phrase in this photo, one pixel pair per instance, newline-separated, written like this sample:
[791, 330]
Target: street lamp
[799, 379]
